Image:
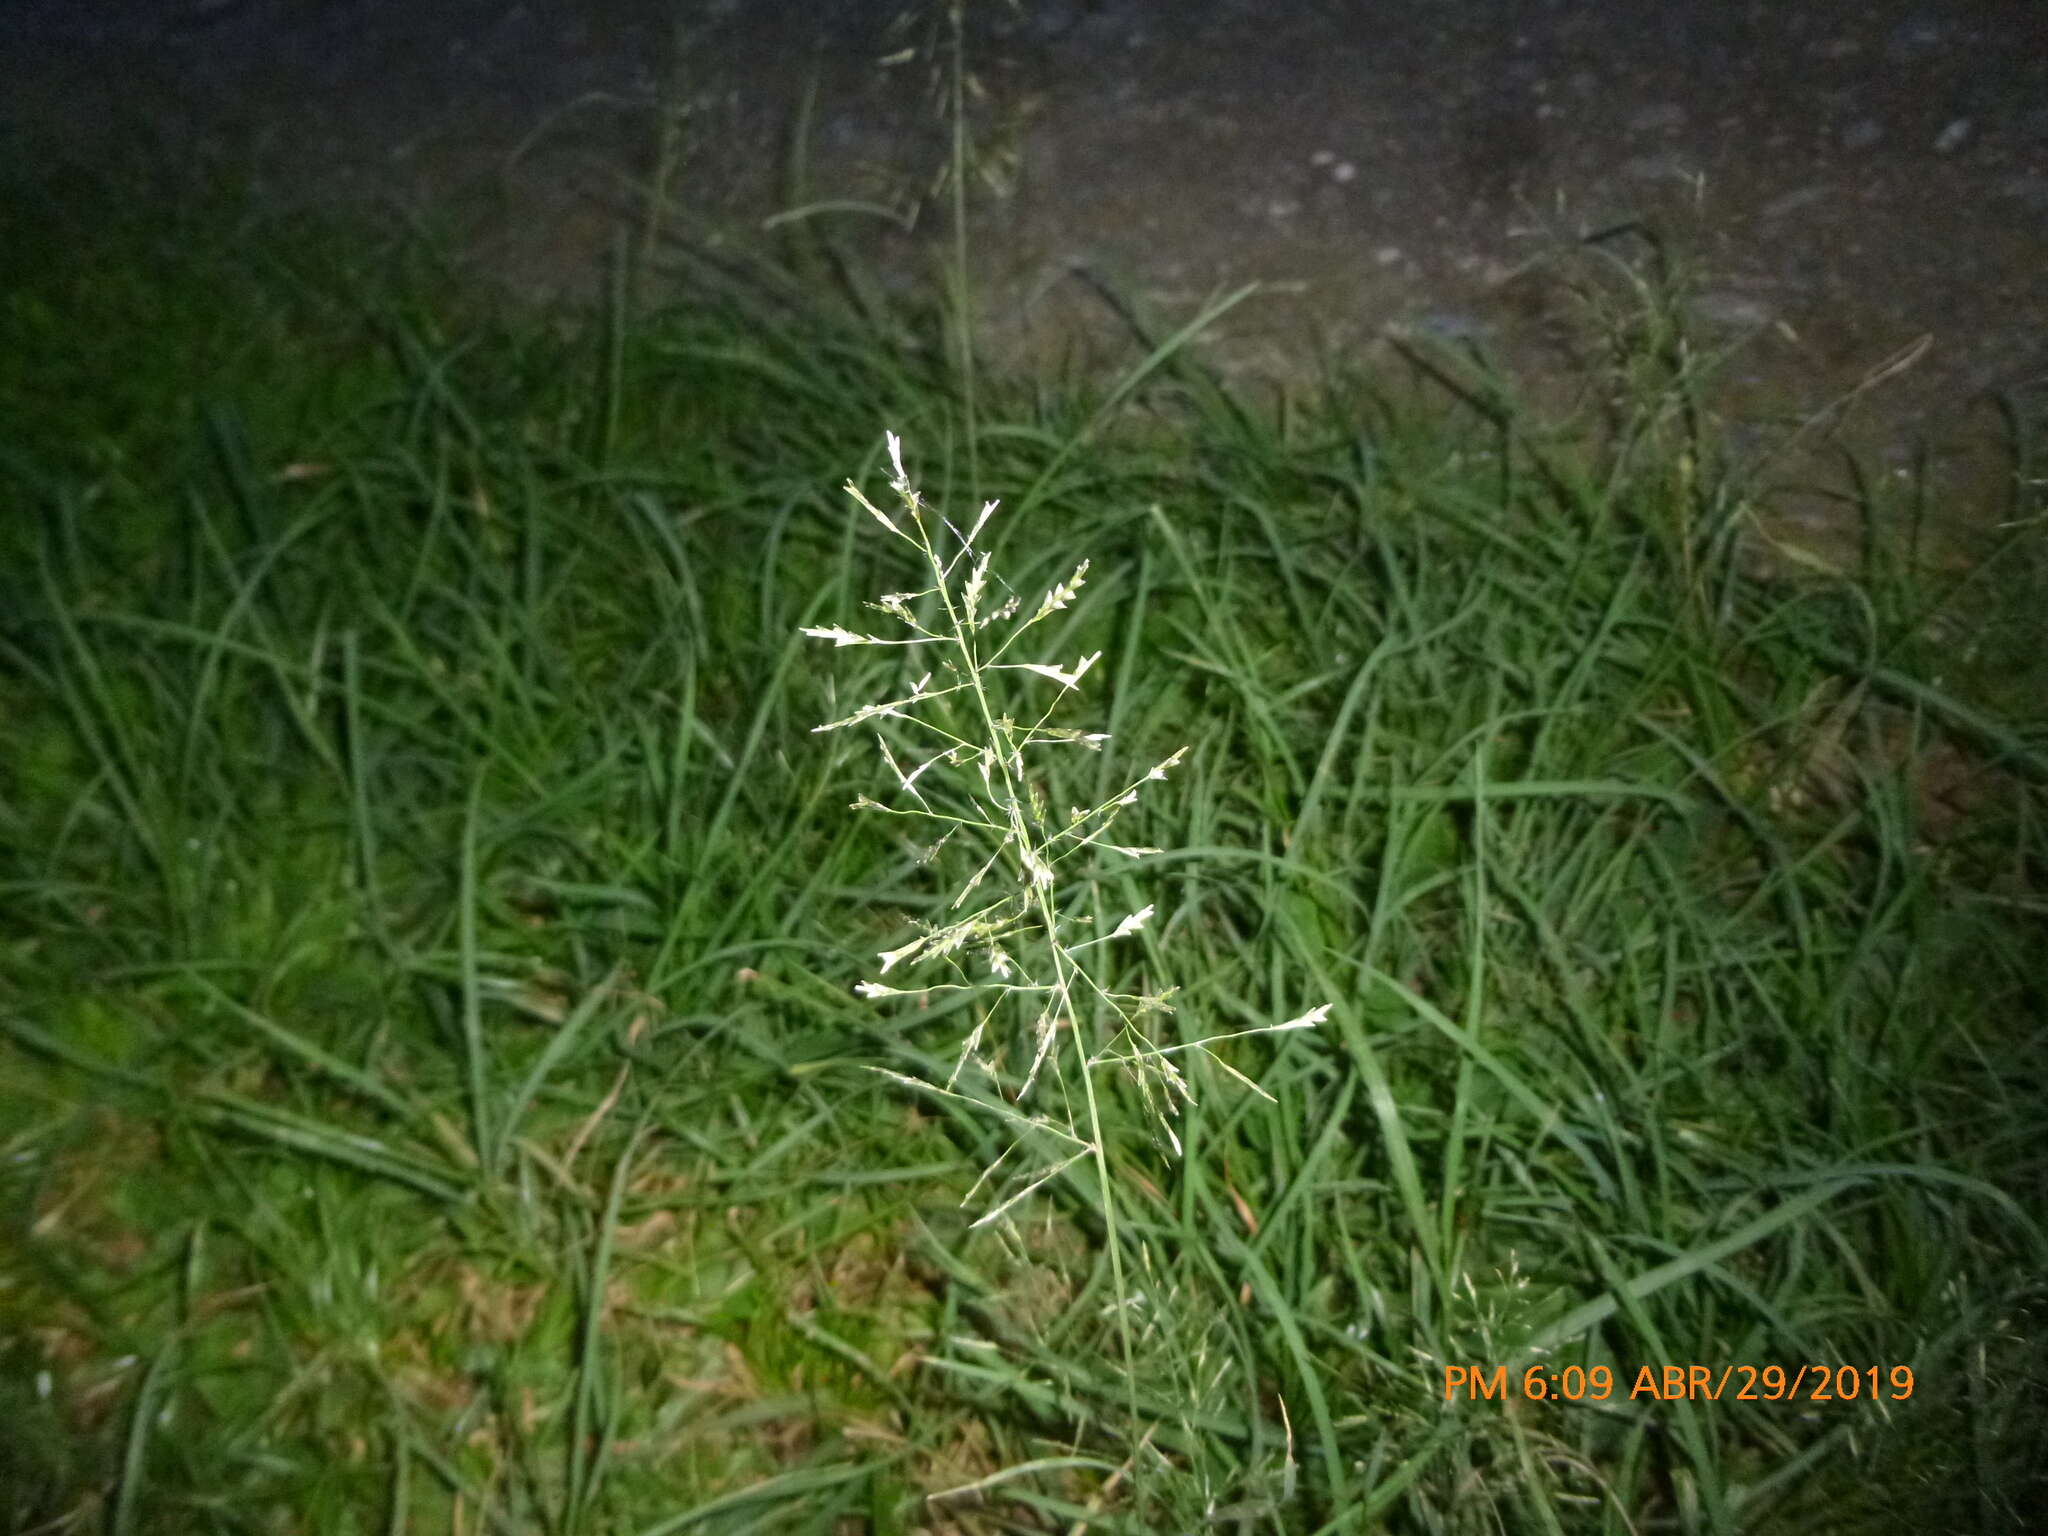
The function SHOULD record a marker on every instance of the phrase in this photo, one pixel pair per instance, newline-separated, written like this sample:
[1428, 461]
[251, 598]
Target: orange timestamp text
[1813, 1383]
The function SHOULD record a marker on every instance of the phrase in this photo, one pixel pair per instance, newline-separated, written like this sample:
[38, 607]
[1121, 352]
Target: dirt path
[1852, 177]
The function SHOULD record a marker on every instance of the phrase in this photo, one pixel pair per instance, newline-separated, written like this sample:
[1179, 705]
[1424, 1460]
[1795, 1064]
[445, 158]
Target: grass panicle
[1010, 814]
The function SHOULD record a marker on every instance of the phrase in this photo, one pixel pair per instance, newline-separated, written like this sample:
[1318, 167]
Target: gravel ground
[1848, 178]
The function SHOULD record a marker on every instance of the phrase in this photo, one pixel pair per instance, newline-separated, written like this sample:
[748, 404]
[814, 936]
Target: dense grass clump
[436, 1091]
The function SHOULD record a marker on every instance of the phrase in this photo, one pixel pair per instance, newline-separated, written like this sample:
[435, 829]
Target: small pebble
[1669, 166]
[1914, 38]
[1662, 117]
[2029, 190]
[1793, 201]
[1448, 325]
[1737, 311]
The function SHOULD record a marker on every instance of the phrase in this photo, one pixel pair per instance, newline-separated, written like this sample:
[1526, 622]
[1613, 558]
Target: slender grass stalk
[1020, 843]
